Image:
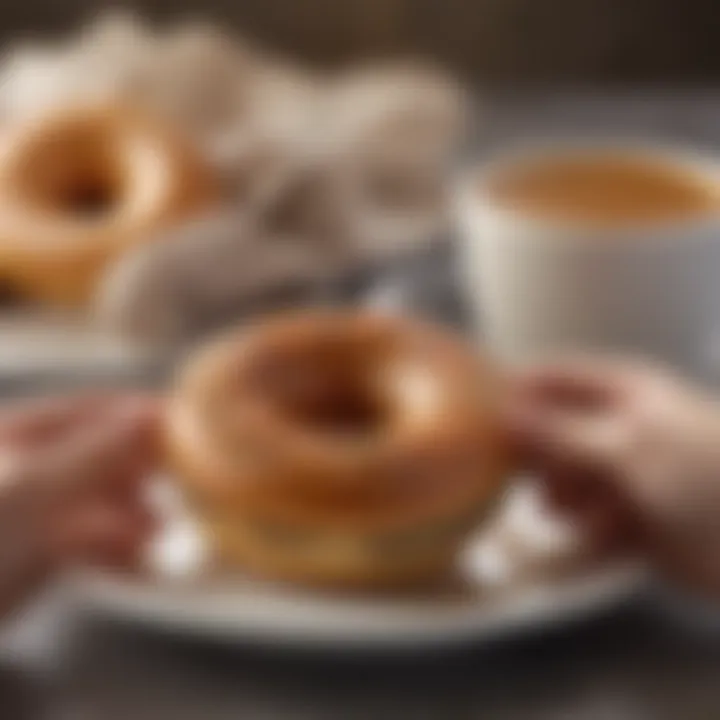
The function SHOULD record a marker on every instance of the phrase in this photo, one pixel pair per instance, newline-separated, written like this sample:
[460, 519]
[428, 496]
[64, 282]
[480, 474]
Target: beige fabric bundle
[356, 161]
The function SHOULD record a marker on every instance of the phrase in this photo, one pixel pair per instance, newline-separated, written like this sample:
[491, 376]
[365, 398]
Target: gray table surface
[631, 665]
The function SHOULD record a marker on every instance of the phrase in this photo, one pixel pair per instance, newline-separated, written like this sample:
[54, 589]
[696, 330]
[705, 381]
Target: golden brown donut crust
[345, 428]
[80, 187]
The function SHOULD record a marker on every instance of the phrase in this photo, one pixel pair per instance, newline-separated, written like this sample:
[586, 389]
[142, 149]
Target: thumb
[120, 445]
[591, 439]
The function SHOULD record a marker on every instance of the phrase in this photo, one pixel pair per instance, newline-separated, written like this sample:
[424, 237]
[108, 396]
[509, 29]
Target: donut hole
[88, 196]
[11, 295]
[81, 191]
[82, 177]
[342, 410]
[332, 403]
[325, 392]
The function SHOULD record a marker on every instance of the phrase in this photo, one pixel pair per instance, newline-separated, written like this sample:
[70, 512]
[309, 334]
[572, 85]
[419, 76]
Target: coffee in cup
[607, 189]
[577, 249]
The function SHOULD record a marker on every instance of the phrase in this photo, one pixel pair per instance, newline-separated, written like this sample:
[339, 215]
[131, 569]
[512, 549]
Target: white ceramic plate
[525, 571]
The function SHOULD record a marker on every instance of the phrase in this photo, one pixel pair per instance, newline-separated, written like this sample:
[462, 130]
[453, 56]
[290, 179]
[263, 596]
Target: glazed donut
[338, 448]
[78, 188]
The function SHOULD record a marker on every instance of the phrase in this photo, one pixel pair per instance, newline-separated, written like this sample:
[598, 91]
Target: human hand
[632, 453]
[71, 472]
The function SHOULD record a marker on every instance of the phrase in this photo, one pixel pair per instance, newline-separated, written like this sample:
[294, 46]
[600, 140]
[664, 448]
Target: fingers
[117, 448]
[39, 421]
[76, 465]
[91, 481]
[609, 528]
[574, 437]
[576, 425]
[577, 410]
[580, 382]
[103, 533]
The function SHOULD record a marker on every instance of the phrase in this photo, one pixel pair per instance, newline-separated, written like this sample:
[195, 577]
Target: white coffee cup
[541, 288]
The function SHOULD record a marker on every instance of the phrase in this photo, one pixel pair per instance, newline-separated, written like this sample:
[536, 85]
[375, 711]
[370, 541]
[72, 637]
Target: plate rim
[548, 605]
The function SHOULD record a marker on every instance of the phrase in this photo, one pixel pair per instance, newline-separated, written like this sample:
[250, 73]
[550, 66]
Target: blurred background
[491, 41]
[533, 68]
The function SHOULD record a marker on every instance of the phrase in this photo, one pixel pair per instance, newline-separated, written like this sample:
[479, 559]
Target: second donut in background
[80, 187]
